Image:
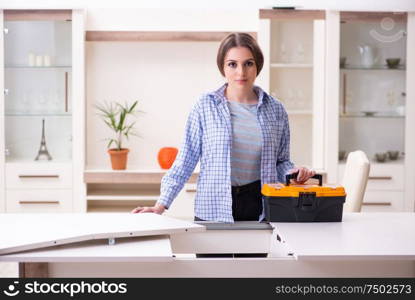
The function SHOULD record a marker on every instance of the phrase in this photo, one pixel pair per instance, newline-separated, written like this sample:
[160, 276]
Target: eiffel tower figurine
[43, 151]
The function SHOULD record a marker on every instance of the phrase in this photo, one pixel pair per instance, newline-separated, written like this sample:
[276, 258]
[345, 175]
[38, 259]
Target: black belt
[246, 187]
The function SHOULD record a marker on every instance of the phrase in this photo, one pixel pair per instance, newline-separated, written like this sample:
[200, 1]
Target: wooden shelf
[371, 16]
[95, 197]
[157, 36]
[300, 112]
[38, 15]
[291, 14]
[291, 65]
[128, 176]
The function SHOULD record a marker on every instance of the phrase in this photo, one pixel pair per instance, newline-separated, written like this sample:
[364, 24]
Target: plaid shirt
[208, 138]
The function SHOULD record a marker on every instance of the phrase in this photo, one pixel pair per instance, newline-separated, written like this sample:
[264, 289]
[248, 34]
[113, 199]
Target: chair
[355, 179]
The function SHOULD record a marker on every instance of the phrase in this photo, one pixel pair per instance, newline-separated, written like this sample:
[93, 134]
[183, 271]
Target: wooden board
[157, 36]
[291, 14]
[21, 232]
[129, 176]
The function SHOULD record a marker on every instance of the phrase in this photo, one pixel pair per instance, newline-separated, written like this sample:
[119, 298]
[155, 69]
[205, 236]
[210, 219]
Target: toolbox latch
[307, 201]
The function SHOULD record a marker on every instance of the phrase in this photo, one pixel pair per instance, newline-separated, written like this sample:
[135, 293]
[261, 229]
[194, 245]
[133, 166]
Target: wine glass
[300, 52]
[283, 53]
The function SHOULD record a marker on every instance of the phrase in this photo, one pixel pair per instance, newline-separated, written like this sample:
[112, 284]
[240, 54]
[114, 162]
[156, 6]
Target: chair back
[355, 179]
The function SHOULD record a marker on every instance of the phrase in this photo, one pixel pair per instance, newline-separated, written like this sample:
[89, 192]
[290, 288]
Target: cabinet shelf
[291, 65]
[374, 68]
[18, 114]
[378, 116]
[150, 198]
[300, 112]
[37, 68]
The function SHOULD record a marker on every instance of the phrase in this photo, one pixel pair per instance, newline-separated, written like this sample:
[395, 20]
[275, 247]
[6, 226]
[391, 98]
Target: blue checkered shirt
[208, 138]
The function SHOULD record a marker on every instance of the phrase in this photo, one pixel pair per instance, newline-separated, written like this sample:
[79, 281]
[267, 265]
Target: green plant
[115, 116]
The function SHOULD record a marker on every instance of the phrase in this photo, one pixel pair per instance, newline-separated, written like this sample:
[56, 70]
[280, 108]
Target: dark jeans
[246, 202]
[246, 206]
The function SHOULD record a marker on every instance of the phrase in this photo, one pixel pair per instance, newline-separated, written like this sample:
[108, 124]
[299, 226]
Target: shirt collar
[219, 94]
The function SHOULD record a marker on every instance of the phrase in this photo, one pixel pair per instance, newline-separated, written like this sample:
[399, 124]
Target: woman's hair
[239, 39]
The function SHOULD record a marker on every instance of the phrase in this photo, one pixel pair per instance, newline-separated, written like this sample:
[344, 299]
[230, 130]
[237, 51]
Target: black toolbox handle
[288, 178]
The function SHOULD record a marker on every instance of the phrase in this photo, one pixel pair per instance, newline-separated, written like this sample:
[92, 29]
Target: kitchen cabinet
[356, 97]
[293, 43]
[372, 103]
[42, 110]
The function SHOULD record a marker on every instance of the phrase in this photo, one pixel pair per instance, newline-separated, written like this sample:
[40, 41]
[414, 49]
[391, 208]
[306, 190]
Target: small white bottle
[39, 61]
[46, 60]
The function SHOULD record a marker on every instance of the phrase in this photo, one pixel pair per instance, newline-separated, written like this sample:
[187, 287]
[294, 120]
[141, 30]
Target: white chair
[355, 179]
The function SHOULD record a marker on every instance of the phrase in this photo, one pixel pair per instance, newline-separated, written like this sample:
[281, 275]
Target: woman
[241, 136]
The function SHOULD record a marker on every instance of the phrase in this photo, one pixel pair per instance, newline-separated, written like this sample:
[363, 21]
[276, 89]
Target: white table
[361, 236]
[363, 245]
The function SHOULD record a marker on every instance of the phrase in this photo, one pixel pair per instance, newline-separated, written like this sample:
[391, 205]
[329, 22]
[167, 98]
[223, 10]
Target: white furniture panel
[359, 236]
[153, 248]
[57, 229]
[383, 201]
[386, 176]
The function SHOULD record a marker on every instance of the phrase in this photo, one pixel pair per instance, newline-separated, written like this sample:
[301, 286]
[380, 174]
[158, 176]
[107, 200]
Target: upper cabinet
[38, 84]
[42, 58]
[373, 59]
[293, 43]
[345, 81]
[370, 102]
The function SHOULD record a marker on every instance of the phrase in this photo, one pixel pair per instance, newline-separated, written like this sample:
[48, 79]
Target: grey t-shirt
[246, 143]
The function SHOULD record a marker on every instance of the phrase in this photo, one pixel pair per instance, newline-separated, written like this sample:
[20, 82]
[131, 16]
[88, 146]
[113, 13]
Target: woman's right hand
[158, 209]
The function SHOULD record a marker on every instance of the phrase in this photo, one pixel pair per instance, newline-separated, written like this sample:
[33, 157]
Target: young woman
[241, 136]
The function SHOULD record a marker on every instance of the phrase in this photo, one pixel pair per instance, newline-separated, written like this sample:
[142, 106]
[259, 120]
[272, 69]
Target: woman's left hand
[303, 174]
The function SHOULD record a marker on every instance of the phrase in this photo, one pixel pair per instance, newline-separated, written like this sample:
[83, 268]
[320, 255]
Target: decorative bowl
[393, 155]
[342, 62]
[393, 63]
[381, 157]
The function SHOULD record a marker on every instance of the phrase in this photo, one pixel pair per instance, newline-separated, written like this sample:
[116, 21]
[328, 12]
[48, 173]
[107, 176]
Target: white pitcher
[367, 56]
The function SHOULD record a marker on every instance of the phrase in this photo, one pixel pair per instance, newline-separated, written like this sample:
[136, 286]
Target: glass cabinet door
[37, 81]
[293, 43]
[372, 85]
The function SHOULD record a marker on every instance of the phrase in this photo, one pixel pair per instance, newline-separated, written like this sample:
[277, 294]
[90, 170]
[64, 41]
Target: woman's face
[240, 68]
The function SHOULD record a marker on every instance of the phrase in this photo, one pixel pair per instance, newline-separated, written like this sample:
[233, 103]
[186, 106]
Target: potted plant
[115, 116]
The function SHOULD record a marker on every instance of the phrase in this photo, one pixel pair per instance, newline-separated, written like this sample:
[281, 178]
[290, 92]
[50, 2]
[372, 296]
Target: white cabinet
[385, 188]
[41, 110]
[355, 98]
[293, 43]
[372, 102]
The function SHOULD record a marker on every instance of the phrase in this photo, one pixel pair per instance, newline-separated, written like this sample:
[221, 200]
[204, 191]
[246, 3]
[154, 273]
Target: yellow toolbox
[303, 202]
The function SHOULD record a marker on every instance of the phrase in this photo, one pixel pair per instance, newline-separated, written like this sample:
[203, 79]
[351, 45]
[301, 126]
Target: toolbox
[303, 202]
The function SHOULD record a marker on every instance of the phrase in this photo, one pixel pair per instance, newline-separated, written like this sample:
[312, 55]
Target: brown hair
[239, 39]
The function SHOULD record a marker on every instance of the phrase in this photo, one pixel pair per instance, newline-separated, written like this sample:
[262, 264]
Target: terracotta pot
[118, 158]
[166, 157]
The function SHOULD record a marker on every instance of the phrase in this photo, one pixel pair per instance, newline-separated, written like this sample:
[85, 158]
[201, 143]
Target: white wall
[166, 77]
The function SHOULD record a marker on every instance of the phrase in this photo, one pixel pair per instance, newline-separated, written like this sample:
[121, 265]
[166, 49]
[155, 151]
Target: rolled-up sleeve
[186, 161]
[284, 163]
